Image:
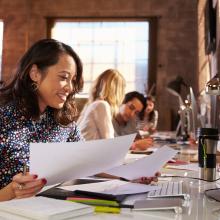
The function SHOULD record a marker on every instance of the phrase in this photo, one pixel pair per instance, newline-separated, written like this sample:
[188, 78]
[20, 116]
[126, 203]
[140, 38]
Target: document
[42, 208]
[113, 187]
[146, 166]
[161, 136]
[191, 166]
[59, 162]
[133, 157]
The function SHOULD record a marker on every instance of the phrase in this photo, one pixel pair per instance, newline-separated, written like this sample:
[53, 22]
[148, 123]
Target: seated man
[124, 121]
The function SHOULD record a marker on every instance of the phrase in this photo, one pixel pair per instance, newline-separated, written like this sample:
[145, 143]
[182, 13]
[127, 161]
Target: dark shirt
[17, 132]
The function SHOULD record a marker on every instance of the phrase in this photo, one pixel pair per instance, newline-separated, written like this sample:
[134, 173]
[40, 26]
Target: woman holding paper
[37, 106]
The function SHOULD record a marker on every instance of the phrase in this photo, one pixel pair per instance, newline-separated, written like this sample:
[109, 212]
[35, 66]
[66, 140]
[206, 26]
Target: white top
[95, 121]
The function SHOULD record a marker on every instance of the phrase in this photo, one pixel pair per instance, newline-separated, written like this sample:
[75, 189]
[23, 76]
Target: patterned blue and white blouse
[16, 132]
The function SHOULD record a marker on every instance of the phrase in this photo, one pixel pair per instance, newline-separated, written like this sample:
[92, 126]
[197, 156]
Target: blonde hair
[109, 86]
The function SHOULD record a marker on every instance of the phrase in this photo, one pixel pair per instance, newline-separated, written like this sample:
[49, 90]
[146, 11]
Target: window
[123, 45]
[1, 43]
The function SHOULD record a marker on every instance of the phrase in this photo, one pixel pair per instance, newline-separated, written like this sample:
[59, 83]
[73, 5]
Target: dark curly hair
[43, 54]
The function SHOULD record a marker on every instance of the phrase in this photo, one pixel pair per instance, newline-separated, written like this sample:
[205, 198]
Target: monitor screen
[194, 123]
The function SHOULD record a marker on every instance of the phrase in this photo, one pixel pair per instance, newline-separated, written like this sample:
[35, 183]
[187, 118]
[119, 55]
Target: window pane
[104, 45]
[104, 53]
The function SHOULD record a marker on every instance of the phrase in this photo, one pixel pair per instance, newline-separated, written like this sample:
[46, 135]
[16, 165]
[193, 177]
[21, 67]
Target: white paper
[147, 166]
[113, 187]
[43, 208]
[188, 151]
[162, 136]
[59, 162]
[133, 157]
[191, 166]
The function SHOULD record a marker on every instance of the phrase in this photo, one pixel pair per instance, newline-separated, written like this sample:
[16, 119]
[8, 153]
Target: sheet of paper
[162, 136]
[133, 157]
[147, 166]
[59, 162]
[191, 166]
[188, 151]
[113, 187]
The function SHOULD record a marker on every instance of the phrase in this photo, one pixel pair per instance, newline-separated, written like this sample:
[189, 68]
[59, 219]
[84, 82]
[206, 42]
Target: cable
[214, 196]
[188, 177]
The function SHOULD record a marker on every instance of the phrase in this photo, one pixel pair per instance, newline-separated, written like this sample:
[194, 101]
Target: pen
[24, 170]
[124, 179]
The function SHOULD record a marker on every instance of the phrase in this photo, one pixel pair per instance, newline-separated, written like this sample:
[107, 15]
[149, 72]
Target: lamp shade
[175, 85]
[213, 85]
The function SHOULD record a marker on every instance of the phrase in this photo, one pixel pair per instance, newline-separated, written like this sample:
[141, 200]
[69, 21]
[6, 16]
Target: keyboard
[169, 189]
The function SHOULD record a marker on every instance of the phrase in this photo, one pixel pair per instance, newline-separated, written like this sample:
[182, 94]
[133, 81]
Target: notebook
[42, 208]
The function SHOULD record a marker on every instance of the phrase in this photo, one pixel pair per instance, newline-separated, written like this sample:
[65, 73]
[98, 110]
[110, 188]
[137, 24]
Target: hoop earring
[34, 86]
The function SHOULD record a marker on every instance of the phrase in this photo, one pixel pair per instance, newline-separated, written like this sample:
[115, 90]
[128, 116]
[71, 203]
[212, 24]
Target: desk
[198, 208]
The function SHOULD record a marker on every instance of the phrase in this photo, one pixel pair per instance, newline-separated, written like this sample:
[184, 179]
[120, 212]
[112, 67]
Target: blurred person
[107, 93]
[147, 120]
[124, 121]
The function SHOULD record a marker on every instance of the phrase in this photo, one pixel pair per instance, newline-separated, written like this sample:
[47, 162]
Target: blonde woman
[107, 93]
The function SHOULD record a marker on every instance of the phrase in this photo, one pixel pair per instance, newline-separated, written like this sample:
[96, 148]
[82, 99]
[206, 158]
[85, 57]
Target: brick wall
[177, 46]
[208, 65]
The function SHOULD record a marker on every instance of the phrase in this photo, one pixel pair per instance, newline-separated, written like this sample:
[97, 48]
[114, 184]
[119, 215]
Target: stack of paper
[42, 208]
[113, 187]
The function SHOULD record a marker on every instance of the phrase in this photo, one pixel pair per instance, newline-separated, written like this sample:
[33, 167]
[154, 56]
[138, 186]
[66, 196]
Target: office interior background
[183, 40]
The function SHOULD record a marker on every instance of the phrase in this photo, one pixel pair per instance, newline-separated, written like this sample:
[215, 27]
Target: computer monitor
[188, 113]
[194, 123]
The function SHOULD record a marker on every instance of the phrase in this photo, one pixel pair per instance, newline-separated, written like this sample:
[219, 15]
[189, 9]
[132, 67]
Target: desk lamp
[213, 86]
[174, 87]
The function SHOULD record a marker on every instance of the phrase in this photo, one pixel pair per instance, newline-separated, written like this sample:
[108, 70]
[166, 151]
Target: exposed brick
[177, 42]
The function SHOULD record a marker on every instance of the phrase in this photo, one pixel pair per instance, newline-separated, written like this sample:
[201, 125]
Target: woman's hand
[26, 186]
[147, 180]
[22, 186]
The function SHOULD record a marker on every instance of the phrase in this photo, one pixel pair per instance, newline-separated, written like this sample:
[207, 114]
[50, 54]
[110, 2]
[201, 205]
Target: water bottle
[208, 139]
